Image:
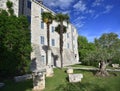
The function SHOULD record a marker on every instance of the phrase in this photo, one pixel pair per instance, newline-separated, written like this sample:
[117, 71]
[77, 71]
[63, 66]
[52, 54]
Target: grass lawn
[82, 66]
[89, 82]
[19, 86]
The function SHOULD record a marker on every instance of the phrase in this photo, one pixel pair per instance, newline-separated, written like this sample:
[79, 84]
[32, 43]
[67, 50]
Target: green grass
[111, 83]
[59, 80]
[17, 86]
[82, 66]
[60, 77]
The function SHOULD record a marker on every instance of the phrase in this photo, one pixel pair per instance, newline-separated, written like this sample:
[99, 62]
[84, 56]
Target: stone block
[22, 78]
[2, 84]
[69, 70]
[115, 65]
[39, 82]
[75, 77]
[49, 71]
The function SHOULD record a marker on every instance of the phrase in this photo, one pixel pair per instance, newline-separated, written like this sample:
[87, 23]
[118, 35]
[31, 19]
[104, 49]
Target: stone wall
[68, 57]
[22, 78]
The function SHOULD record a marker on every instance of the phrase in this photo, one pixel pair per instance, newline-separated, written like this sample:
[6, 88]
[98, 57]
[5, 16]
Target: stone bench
[22, 78]
[75, 77]
[115, 65]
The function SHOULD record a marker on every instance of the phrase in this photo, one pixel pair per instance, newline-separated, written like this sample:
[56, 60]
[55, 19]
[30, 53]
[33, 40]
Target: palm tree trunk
[48, 44]
[61, 43]
[48, 36]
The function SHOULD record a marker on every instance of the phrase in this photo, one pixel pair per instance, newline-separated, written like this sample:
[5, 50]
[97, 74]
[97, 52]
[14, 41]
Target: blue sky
[92, 18]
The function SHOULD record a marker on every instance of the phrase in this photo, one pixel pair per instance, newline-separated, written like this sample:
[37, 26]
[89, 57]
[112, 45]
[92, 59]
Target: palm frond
[57, 29]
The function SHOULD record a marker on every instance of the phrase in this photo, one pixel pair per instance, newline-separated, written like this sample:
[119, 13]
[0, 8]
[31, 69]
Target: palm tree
[61, 29]
[47, 17]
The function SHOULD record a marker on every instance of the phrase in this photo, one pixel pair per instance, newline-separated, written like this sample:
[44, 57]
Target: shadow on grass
[20, 86]
[81, 87]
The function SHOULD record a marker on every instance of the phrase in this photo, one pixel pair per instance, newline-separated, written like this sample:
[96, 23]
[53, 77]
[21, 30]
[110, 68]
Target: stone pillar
[38, 81]
[49, 61]
[49, 67]
[49, 71]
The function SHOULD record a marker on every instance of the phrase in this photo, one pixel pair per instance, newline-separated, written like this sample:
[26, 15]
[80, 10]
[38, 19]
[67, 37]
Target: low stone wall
[22, 78]
[2, 84]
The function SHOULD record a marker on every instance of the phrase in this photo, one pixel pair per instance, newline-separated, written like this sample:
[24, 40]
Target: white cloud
[97, 3]
[78, 19]
[62, 4]
[66, 12]
[90, 11]
[80, 6]
[79, 24]
[97, 15]
[108, 8]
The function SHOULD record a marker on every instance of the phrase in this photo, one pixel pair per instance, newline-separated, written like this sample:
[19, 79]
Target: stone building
[33, 9]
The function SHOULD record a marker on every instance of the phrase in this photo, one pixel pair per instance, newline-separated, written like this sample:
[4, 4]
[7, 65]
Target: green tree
[84, 48]
[15, 46]
[107, 50]
[61, 18]
[9, 6]
[110, 42]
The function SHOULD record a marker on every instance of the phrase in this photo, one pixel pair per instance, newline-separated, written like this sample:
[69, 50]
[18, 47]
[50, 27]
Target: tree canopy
[15, 46]
[84, 48]
[105, 48]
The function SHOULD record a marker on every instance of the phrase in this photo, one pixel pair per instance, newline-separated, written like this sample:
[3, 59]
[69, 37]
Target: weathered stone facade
[70, 52]
[33, 9]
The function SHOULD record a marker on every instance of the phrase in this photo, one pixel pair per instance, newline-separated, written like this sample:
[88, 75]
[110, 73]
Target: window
[73, 38]
[73, 30]
[29, 19]
[42, 25]
[67, 35]
[42, 10]
[75, 55]
[43, 59]
[67, 45]
[53, 42]
[42, 39]
[73, 46]
[52, 28]
[29, 4]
